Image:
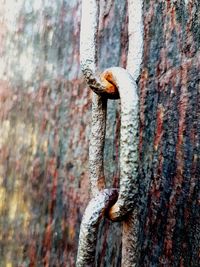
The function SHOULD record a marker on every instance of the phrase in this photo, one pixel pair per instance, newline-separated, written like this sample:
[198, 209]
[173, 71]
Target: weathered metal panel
[169, 135]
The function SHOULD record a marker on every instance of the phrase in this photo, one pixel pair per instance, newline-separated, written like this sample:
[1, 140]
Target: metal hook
[128, 140]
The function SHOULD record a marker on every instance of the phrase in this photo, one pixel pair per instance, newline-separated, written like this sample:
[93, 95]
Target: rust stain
[124, 40]
[183, 104]
[159, 127]
[106, 15]
[155, 195]
[186, 63]
[32, 254]
[168, 246]
[107, 81]
[176, 78]
[178, 179]
[47, 245]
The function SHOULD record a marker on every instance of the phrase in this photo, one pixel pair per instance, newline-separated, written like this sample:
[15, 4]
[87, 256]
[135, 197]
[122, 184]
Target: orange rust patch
[107, 80]
[113, 212]
[159, 129]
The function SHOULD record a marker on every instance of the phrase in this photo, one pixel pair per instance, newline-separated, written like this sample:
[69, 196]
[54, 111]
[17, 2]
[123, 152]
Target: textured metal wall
[170, 135]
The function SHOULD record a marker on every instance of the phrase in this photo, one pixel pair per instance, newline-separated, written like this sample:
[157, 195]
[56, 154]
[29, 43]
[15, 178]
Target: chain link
[113, 83]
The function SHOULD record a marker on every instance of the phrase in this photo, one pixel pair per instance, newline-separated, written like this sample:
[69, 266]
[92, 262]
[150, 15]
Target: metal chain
[114, 83]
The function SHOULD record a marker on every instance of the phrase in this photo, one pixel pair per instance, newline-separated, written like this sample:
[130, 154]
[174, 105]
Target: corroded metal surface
[128, 164]
[128, 141]
[126, 88]
[88, 50]
[169, 135]
[92, 217]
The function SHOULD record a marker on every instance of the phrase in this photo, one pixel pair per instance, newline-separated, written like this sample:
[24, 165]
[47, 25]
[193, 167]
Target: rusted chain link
[128, 141]
[93, 215]
[113, 83]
